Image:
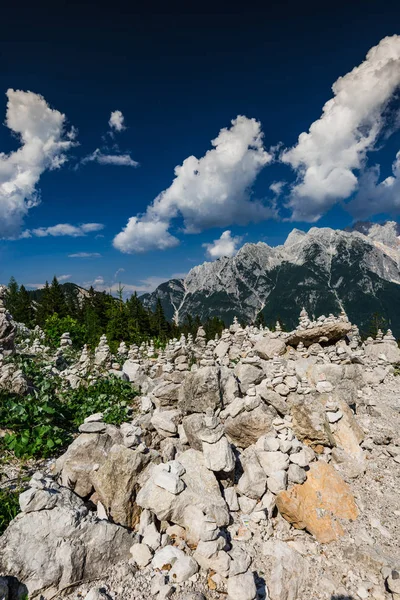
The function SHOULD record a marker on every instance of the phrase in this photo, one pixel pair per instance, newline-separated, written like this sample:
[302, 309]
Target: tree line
[87, 315]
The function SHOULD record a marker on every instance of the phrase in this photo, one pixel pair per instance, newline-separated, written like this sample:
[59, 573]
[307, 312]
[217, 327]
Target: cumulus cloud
[146, 285]
[63, 229]
[141, 235]
[277, 187]
[213, 191]
[120, 160]
[85, 255]
[43, 146]
[116, 121]
[336, 145]
[99, 281]
[226, 245]
[374, 196]
[62, 278]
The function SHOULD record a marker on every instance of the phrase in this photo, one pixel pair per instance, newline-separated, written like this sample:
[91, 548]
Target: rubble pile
[244, 474]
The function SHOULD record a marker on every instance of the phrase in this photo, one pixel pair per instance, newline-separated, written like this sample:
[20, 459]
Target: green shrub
[111, 396]
[55, 326]
[43, 422]
[37, 423]
[9, 507]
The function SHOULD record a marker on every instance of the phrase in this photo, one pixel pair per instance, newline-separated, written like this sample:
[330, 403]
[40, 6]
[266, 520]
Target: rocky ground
[258, 465]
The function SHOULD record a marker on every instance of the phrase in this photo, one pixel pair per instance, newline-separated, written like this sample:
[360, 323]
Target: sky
[136, 144]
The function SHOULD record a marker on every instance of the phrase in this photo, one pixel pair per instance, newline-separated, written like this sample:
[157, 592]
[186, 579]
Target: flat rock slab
[326, 332]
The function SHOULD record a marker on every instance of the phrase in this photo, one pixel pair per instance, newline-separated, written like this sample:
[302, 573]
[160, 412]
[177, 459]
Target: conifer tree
[24, 312]
[160, 323]
[57, 298]
[44, 308]
[12, 297]
[117, 325]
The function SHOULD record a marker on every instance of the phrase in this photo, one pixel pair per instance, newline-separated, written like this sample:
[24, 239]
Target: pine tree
[160, 323]
[24, 312]
[57, 298]
[117, 324]
[73, 306]
[91, 318]
[138, 320]
[11, 302]
[260, 320]
[44, 308]
[213, 326]
[376, 322]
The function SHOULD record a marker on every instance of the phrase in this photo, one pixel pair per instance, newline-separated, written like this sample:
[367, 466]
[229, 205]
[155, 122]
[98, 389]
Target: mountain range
[324, 270]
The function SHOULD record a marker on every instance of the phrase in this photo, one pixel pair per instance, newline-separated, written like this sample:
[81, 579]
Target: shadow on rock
[12, 589]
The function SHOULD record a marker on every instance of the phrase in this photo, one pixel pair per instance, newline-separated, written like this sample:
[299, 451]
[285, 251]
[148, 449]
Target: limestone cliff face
[324, 270]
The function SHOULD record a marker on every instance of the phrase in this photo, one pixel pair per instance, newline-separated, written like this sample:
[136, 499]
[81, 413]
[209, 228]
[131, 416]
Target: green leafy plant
[55, 326]
[43, 422]
[111, 396]
[9, 507]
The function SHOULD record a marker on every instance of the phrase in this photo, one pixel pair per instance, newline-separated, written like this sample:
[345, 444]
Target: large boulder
[193, 425]
[273, 398]
[248, 374]
[267, 347]
[201, 390]
[229, 386]
[56, 541]
[116, 483]
[201, 490]
[253, 482]
[12, 380]
[134, 372]
[389, 349]
[323, 333]
[310, 423]
[166, 393]
[289, 571]
[87, 451]
[320, 504]
[245, 428]
[348, 434]
[8, 328]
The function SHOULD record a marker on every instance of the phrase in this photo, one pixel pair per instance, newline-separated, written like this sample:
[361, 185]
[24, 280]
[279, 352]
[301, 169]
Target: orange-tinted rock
[319, 504]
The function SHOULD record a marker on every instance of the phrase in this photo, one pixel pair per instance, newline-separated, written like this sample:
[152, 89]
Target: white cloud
[118, 271]
[140, 235]
[35, 286]
[277, 187]
[43, 146]
[376, 197]
[120, 160]
[39, 286]
[213, 191]
[98, 281]
[116, 121]
[85, 255]
[147, 285]
[226, 245]
[336, 145]
[63, 229]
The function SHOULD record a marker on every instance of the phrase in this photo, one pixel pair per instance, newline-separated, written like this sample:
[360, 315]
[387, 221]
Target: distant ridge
[324, 269]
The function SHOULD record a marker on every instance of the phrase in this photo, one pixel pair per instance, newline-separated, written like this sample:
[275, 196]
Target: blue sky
[178, 79]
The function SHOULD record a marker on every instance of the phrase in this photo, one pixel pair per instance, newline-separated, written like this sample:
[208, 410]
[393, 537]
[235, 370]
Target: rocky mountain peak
[323, 269]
